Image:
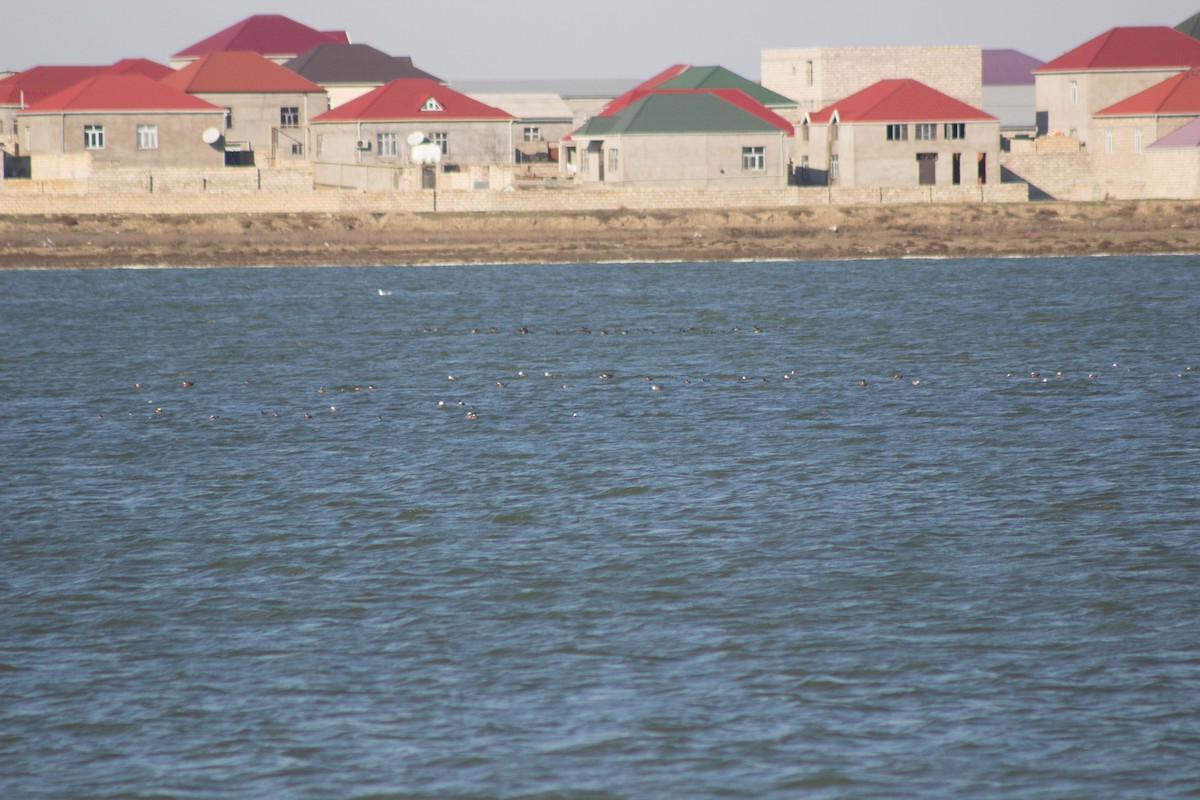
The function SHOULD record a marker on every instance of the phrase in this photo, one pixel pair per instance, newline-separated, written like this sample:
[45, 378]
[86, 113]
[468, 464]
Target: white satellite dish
[211, 136]
[415, 138]
[427, 153]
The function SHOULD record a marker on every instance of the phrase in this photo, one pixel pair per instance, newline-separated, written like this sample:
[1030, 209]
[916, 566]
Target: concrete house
[816, 77]
[125, 120]
[1102, 71]
[267, 108]
[682, 138]
[23, 89]
[1008, 90]
[379, 128]
[272, 36]
[899, 133]
[1146, 144]
[347, 71]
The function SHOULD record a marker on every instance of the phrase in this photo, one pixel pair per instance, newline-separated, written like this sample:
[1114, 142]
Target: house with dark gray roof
[682, 138]
[347, 71]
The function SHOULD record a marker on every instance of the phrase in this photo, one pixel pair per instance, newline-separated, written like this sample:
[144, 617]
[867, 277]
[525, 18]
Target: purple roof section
[1187, 136]
[1008, 68]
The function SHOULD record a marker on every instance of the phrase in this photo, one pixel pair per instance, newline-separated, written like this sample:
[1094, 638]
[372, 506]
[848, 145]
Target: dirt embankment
[822, 232]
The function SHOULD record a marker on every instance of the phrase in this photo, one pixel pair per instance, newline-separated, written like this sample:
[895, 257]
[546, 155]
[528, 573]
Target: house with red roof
[267, 107]
[1104, 70]
[272, 36]
[127, 120]
[1148, 145]
[22, 89]
[697, 138]
[899, 133]
[386, 125]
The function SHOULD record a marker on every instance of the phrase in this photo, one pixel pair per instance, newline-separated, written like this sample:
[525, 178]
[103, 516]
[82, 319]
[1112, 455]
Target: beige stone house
[899, 133]
[412, 126]
[267, 107]
[1148, 145]
[1115, 65]
[127, 121]
[682, 138]
[815, 77]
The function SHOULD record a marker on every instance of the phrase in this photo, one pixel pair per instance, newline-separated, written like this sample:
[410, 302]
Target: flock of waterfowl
[475, 388]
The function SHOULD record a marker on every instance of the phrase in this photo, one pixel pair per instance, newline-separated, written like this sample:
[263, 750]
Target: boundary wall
[291, 190]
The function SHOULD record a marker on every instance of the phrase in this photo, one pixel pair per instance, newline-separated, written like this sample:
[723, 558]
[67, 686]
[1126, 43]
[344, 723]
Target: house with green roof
[682, 138]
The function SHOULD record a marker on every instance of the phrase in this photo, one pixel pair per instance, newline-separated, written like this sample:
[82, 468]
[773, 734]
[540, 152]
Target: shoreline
[1026, 230]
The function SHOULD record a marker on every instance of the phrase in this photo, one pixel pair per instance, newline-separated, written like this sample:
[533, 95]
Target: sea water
[762, 530]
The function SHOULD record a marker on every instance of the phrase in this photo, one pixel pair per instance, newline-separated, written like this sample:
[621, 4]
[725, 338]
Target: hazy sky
[481, 39]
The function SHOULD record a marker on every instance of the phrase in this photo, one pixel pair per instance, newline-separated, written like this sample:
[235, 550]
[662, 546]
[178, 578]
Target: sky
[460, 40]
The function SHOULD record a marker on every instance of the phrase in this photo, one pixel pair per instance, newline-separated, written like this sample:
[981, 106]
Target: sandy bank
[823, 232]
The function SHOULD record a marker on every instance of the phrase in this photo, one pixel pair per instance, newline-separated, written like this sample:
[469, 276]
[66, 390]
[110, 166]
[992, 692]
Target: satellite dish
[211, 136]
[427, 153]
[415, 138]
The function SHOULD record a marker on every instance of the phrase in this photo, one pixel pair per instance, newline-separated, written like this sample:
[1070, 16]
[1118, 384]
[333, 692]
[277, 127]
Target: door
[927, 168]
[982, 168]
[956, 172]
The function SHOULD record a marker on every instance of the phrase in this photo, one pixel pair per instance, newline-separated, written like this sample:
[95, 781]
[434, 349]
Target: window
[804, 168]
[297, 149]
[1137, 140]
[955, 130]
[808, 72]
[147, 137]
[897, 133]
[926, 132]
[1073, 93]
[386, 146]
[442, 140]
[93, 137]
[1109, 140]
[584, 161]
[431, 105]
[614, 161]
[835, 171]
[289, 117]
[228, 118]
[754, 159]
[533, 134]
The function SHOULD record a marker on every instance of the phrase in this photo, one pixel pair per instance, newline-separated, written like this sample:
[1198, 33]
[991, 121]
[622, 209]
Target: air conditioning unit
[363, 144]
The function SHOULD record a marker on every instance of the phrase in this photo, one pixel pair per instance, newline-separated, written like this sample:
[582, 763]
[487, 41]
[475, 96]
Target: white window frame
[289, 117]
[533, 134]
[147, 137]
[432, 104]
[93, 137]
[442, 140]
[897, 133]
[614, 160]
[1073, 92]
[954, 131]
[835, 167]
[754, 159]
[926, 132]
[1138, 140]
[387, 145]
[1109, 142]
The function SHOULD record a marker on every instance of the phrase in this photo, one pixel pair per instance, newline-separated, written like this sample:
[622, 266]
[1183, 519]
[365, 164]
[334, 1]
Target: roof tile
[900, 100]
[404, 98]
[237, 71]
[1155, 47]
[115, 92]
